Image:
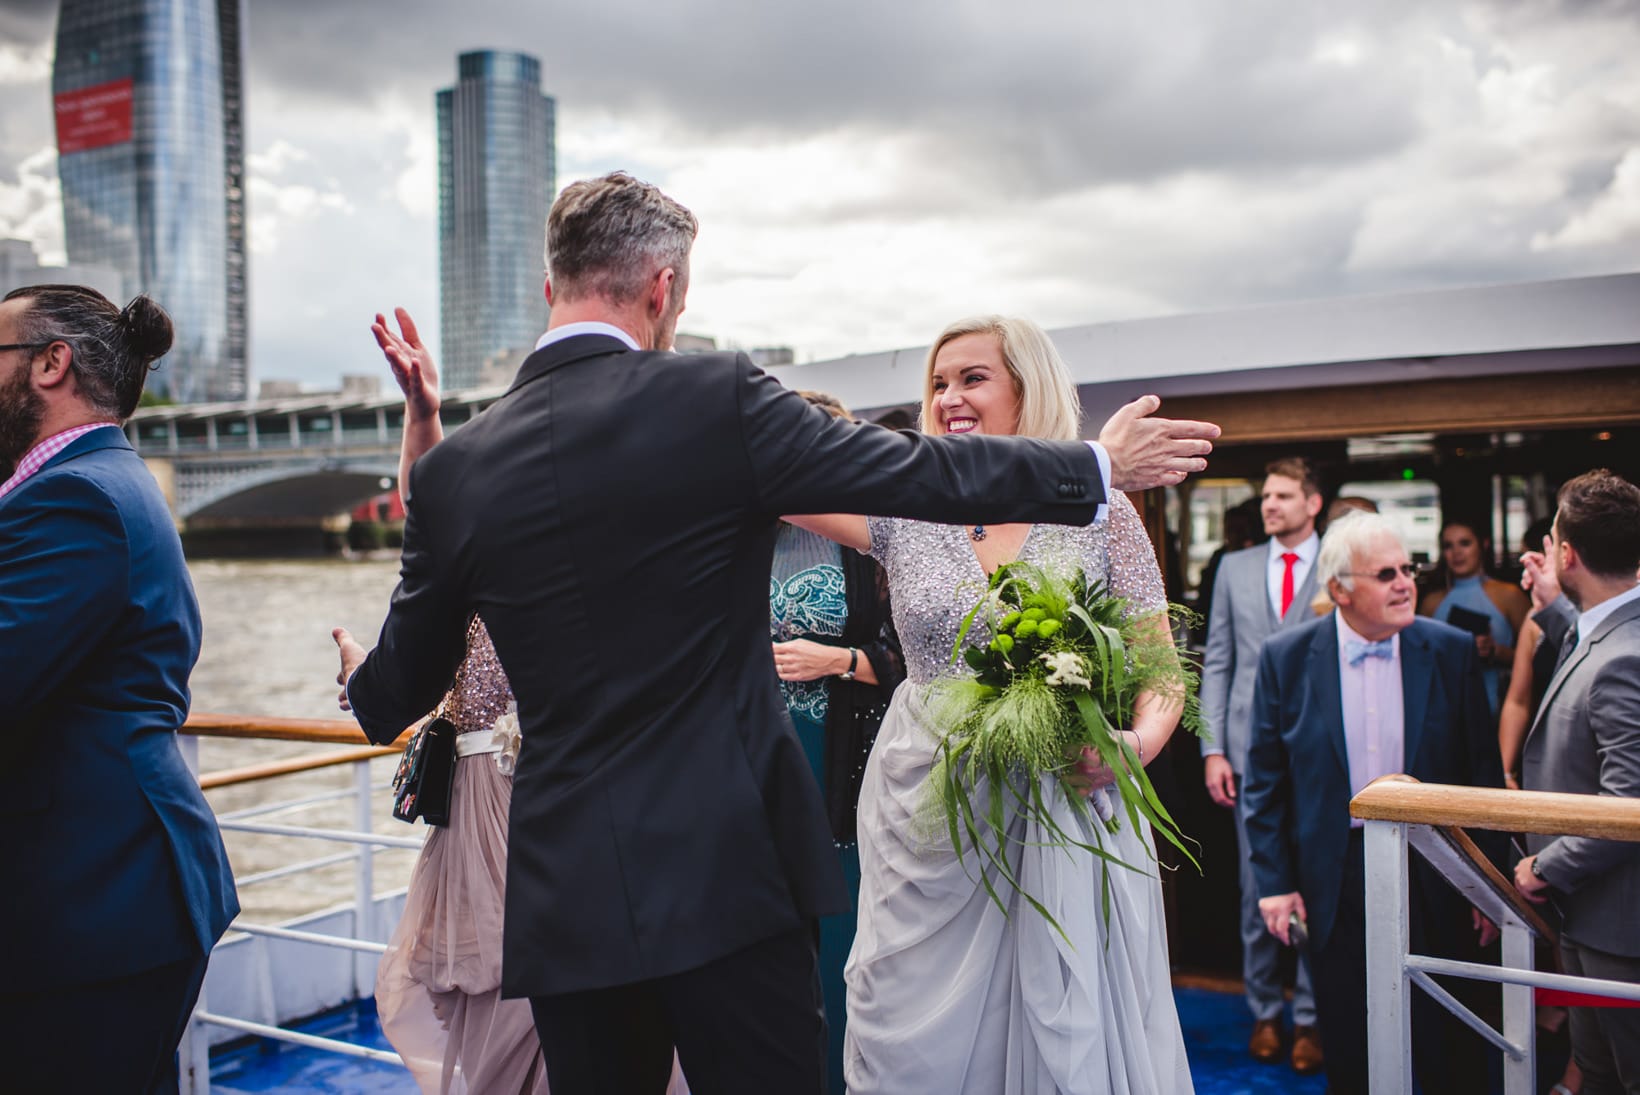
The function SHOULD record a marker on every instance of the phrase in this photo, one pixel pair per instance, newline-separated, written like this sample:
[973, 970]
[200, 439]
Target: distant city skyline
[865, 175]
[496, 179]
[146, 93]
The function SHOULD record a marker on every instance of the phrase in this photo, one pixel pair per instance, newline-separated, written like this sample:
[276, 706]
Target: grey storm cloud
[1029, 98]
[1072, 161]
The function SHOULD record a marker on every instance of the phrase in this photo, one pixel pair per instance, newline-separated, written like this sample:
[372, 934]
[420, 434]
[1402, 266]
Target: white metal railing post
[1519, 1013]
[364, 882]
[1389, 990]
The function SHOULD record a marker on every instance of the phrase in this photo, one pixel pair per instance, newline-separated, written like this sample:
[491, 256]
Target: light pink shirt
[35, 458]
[1374, 714]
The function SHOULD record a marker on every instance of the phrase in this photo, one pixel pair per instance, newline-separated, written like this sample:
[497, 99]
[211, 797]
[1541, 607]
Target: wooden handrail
[1402, 798]
[323, 731]
[251, 773]
[1501, 888]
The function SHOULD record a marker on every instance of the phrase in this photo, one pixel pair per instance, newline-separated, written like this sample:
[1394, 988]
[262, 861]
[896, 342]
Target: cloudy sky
[867, 171]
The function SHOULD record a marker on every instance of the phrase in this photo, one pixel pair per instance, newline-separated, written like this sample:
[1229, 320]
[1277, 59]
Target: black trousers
[751, 1022]
[108, 1036]
[1446, 1055]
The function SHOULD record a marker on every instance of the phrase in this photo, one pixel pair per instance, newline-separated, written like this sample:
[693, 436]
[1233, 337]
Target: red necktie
[1290, 558]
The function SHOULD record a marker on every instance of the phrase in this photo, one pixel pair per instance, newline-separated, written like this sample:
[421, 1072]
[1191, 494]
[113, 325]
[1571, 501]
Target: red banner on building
[92, 117]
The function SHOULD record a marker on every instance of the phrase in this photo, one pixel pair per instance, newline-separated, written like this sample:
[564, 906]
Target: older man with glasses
[1365, 691]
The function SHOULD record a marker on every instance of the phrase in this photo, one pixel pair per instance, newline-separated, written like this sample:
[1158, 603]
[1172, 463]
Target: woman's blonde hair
[1048, 404]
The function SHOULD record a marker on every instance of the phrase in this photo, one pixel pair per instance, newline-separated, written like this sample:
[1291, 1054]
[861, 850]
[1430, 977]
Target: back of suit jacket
[612, 519]
[1242, 619]
[123, 862]
[1586, 740]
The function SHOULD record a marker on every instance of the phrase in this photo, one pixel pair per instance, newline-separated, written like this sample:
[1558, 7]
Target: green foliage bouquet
[1062, 671]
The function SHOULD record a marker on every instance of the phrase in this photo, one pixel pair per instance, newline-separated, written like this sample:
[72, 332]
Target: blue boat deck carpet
[1216, 1027]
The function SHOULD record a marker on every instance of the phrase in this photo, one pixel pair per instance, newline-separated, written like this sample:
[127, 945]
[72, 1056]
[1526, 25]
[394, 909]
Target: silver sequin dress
[946, 995]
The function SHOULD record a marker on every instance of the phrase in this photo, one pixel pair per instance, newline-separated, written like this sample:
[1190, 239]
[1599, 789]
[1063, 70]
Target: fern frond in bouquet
[1062, 671]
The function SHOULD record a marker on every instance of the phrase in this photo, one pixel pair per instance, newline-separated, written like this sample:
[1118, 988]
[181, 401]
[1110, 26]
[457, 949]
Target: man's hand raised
[1148, 452]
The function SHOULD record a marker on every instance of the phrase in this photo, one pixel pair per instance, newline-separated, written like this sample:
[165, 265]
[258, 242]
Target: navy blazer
[115, 857]
[1297, 786]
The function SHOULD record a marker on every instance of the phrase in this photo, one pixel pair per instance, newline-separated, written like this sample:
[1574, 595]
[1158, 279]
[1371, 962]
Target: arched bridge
[299, 460]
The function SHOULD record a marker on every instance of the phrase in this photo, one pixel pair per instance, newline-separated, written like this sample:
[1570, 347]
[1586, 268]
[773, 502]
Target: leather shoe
[1307, 1055]
[1265, 1044]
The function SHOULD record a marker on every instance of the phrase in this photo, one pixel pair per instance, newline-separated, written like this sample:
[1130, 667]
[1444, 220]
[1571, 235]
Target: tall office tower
[496, 180]
[142, 146]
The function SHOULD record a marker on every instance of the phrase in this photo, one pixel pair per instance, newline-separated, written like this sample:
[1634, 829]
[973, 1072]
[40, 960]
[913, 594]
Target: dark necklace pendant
[978, 534]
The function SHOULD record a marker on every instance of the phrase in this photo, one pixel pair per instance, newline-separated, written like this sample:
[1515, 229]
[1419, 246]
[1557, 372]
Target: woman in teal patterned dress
[839, 662]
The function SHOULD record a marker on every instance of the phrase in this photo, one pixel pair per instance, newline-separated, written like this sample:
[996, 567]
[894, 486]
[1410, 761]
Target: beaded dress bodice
[480, 693]
[934, 577]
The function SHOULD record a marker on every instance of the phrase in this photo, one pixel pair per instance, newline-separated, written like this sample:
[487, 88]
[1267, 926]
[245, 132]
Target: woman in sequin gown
[438, 987]
[946, 993]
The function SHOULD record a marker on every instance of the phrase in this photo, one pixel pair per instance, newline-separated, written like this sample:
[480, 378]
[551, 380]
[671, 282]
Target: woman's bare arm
[848, 529]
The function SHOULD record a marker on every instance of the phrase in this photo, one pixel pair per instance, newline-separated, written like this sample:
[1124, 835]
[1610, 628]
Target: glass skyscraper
[150, 154]
[496, 181]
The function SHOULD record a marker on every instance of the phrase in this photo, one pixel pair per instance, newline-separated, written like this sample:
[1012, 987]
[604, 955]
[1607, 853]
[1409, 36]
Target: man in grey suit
[1257, 592]
[1586, 740]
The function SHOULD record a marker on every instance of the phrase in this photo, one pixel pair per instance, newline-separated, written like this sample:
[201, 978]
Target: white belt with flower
[503, 739]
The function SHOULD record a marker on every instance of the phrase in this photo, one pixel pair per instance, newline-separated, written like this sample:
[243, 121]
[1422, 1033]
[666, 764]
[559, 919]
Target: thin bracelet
[1139, 746]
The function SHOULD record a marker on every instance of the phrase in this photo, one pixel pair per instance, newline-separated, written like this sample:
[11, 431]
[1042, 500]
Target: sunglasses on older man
[1387, 575]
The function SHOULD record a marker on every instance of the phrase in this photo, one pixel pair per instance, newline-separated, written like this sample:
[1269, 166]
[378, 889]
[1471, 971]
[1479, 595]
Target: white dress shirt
[1374, 712]
[1306, 552]
[1591, 619]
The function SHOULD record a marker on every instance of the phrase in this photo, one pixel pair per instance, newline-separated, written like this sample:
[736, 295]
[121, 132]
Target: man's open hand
[1148, 452]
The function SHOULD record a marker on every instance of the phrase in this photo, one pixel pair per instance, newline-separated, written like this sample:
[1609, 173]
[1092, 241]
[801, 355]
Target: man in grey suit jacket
[1257, 592]
[1586, 740]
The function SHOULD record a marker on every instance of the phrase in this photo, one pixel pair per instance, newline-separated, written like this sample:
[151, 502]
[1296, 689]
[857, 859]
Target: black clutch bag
[427, 771]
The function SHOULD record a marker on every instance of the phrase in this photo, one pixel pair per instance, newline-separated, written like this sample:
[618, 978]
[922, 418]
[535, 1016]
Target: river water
[267, 651]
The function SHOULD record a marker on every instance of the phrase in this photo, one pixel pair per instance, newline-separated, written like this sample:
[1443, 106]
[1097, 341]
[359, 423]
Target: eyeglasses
[26, 345]
[1387, 575]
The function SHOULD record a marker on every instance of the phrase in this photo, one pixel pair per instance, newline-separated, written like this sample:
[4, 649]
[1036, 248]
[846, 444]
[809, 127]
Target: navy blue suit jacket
[1297, 785]
[114, 858]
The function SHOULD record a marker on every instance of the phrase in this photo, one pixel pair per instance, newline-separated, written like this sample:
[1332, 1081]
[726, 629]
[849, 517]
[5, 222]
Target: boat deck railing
[351, 749]
[1400, 812]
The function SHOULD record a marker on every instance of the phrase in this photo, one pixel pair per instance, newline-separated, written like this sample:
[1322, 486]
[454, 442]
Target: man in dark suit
[120, 882]
[612, 519]
[1363, 692]
[1257, 592]
[1586, 740]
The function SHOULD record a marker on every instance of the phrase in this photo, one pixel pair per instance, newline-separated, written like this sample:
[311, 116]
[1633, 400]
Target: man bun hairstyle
[1599, 515]
[113, 349]
[606, 237]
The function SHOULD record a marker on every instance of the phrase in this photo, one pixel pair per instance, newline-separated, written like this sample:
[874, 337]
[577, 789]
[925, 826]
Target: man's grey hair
[607, 237]
[1352, 535]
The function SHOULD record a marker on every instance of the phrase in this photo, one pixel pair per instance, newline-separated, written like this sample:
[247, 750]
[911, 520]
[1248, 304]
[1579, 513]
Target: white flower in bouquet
[1066, 668]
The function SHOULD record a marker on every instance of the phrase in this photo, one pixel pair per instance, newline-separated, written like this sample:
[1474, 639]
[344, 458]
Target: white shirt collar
[1306, 550]
[1591, 619]
[585, 327]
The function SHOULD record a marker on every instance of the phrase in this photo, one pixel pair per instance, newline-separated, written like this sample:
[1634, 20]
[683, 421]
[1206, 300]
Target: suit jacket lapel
[558, 354]
[1329, 693]
[1579, 652]
[1303, 598]
[1417, 674]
